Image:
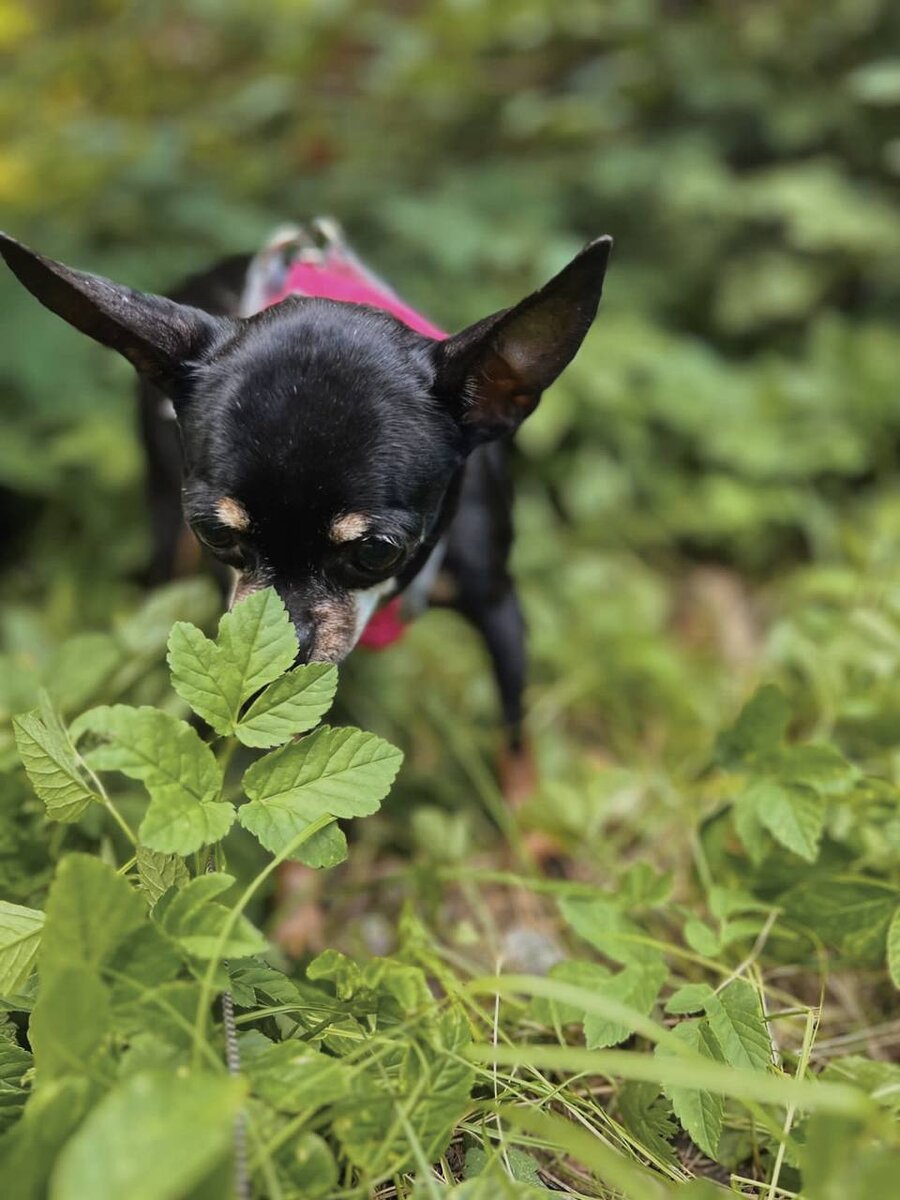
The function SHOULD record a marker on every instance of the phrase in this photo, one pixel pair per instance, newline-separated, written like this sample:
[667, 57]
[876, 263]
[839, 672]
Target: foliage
[708, 533]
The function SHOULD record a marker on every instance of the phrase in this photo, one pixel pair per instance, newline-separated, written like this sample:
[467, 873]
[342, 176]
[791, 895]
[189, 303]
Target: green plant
[159, 1024]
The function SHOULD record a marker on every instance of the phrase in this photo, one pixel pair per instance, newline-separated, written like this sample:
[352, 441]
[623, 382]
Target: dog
[317, 435]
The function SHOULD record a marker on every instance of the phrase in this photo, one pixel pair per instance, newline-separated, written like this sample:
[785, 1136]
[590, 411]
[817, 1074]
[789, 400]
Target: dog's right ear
[160, 338]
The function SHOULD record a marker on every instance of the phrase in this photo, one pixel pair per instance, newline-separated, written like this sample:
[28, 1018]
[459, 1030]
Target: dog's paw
[301, 931]
[518, 776]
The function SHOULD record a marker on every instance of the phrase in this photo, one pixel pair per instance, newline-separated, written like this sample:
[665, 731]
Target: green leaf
[647, 1116]
[848, 913]
[70, 1023]
[737, 1020]
[336, 772]
[313, 1169]
[324, 849]
[689, 998]
[202, 677]
[177, 768]
[91, 911]
[575, 971]
[701, 1113]
[893, 949]
[793, 814]
[158, 872]
[14, 1062]
[429, 1084]
[258, 640]
[761, 725]
[53, 768]
[289, 706]
[29, 1150]
[600, 922]
[193, 919]
[256, 643]
[293, 1076]
[750, 829]
[152, 1138]
[700, 937]
[20, 937]
[878, 1079]
[637, 985]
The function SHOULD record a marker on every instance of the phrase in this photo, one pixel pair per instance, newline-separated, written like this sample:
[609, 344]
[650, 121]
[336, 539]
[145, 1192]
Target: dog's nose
[306, 637]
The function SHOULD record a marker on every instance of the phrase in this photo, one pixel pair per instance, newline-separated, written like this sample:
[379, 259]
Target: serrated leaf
[20, 937]
[893, 949]
[750, 829]
[177, 768]
[700, 1113]
[256, 643]
[335, 772]
[324, 849]
[196, 922]
[637, 985]
[175, 1129]
[689, 998]
[91, 911]
[852, 915]
[793, 814]
[175, 824]
[202, 677]
[289, 706]
[878, 1079]
[736, 1018]
[600, 922]
[258, 640]
[430, 1082]
[647, 1116]
[53, 768]
[817, 765]
[293, 1076]
[700, 937]
[14, 1062]
[760, 726]
[575, 971]
[158, 872]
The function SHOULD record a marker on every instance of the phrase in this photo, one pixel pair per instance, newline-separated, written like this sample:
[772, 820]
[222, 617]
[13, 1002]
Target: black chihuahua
[330, 448]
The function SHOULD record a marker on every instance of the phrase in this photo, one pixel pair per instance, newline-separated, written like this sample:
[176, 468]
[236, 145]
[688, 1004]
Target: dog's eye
[375, 555]
[216, 538]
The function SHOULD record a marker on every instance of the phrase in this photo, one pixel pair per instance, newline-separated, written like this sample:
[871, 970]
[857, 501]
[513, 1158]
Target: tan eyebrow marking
[232, 514]
[348, 527]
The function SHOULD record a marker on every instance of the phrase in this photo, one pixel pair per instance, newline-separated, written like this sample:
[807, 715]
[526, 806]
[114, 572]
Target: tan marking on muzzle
[232, 514]
[348, 527]
[243, 586]
[335, 625]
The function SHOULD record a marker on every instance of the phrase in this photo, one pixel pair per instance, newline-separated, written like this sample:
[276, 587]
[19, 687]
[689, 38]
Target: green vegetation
[709, 547]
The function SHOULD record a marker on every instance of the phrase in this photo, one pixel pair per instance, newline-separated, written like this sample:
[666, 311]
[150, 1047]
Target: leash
[233, 1063]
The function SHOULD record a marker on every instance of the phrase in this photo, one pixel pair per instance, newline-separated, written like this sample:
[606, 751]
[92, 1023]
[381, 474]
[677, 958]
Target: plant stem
[207, 987]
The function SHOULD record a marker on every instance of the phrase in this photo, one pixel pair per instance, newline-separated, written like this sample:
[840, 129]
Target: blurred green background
[711, 492]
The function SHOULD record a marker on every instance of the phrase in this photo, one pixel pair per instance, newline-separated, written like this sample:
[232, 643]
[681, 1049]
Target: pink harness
[334, 273]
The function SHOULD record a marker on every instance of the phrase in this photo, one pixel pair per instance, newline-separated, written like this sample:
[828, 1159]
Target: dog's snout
[306, 638]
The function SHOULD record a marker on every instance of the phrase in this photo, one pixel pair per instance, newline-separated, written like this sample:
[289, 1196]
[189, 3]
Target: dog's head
[322, 440]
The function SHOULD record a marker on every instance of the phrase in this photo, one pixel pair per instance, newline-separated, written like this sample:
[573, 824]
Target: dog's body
[343, 454]
[467, 571]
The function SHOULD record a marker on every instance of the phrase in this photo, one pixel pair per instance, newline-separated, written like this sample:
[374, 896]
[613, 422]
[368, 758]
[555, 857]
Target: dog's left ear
[161, 339]
[493, 373]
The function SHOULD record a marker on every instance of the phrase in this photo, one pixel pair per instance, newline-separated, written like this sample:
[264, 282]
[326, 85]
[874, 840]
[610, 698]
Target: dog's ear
[160, 338]
[493, 373]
